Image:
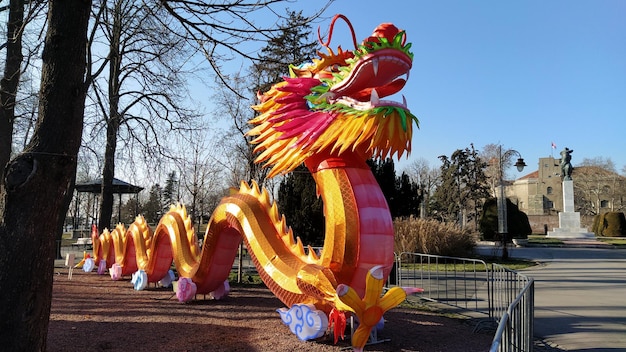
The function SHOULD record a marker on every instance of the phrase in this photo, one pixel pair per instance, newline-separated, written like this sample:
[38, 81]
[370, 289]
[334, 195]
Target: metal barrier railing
[505, 295]
[459, 282]
[515, 330]
[505, 286]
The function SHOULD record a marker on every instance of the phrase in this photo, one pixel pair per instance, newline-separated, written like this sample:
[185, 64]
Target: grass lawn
[542, 239]
[615, 241]
[511, 263]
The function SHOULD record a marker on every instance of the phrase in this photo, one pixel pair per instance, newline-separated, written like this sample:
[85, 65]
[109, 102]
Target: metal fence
[505, 286]
[503, 295]
[515, 324]
[459, 282]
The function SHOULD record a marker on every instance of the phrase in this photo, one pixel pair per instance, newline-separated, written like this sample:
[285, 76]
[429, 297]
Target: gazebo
[95, 188]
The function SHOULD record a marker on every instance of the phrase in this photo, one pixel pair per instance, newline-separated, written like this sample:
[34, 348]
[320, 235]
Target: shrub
[432, 237]
[517, 221]
[612, 224]
[595, 227]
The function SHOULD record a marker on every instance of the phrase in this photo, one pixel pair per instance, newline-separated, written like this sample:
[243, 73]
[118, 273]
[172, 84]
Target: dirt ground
[93, 313]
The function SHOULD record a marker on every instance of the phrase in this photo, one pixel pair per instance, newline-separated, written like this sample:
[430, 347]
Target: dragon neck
[324, 160]
[354, 208]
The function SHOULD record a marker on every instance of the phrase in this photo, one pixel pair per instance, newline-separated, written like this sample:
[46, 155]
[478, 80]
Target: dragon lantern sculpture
[330, 115]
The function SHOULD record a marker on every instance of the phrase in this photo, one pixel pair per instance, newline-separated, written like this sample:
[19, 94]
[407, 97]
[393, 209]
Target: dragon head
[334, 104]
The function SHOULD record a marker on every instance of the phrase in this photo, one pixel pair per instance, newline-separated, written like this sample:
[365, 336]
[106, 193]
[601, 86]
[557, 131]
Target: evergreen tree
[289, 44]
[297, 191]
[153, 209]
[385, 174]
[301, 206]
[292, 46]
[402, 195]
[463, 187]
[408, 197]
[170, 192]
[130, 210]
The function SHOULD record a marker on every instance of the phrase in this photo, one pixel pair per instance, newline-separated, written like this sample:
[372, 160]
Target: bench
[83, 242]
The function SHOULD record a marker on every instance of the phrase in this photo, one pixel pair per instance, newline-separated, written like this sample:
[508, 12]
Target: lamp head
[520, 164]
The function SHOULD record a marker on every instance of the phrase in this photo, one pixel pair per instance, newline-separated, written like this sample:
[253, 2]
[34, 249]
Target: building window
[549, 190]
[604, 204]
[550, 204]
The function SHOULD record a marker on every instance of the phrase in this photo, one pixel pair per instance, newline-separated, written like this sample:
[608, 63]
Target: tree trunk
[9, 83]
[108, 173]
[113, 122]
[38, 182]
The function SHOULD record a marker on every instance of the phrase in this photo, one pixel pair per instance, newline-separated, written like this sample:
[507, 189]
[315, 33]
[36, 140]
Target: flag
[553, 145]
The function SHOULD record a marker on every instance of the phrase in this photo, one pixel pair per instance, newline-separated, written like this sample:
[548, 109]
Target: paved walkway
[580, 296]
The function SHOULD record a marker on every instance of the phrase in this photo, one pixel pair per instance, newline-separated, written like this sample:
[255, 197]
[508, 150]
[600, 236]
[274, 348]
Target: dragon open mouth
[376, 75]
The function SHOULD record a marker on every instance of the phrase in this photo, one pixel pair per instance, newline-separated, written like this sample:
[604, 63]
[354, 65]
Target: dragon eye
[334, 68]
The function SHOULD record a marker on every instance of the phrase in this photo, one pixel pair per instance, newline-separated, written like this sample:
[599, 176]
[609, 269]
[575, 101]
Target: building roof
[534, 174]
[119, 186]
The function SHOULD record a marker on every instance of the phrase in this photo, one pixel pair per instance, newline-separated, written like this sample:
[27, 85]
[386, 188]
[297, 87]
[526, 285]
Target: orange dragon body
[330, 115]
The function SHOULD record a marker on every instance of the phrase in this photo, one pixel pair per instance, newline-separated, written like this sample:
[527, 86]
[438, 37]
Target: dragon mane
[319, 110]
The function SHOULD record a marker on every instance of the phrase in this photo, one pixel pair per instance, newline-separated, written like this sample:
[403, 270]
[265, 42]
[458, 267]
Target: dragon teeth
[374, 99]
[375, 66]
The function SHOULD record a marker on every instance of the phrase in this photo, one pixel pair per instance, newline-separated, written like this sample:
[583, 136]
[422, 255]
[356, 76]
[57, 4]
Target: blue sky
[522, 74]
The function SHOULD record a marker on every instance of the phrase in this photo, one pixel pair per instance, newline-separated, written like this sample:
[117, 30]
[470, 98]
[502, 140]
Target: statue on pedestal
[566, 165]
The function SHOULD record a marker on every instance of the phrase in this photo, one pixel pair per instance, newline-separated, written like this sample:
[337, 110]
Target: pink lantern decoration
[186, 289]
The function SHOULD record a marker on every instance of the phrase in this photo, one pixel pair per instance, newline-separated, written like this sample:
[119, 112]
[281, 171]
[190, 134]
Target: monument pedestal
[569, 220]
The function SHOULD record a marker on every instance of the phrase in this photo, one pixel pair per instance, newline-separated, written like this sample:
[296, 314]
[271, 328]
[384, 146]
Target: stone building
[539, 194]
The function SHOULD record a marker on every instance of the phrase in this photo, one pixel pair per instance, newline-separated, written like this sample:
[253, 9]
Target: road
[580, 296]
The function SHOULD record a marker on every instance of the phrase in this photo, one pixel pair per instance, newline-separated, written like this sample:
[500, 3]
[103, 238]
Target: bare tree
[236, 110]
[10, 80]
[219, 29]
[597, 187]
[139, 96]
[20, 13]
[146, 41]
[291, 45]
[200, 178]
[602, 162]
[490, 154]
[83, 206]
[427, 179]
[39, 180]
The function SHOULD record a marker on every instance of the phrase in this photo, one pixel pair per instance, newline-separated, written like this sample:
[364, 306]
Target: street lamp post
[501, 196]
